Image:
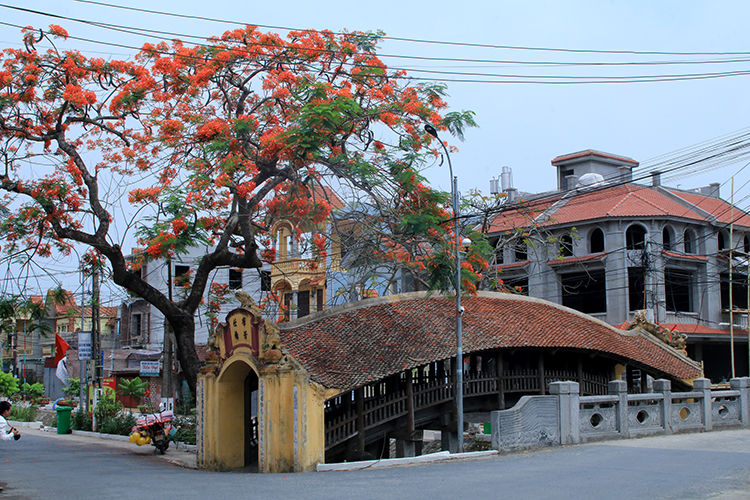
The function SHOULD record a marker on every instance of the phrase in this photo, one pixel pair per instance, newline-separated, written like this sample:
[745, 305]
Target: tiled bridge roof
[352, 345]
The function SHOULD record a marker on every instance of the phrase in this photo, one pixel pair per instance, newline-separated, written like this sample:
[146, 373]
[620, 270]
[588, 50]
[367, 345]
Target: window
[319, 299]
[635, 237]
[739, 291]
[566, 245]
[303, 303]
[62, 328]
[585, 292]
[520, 251]
[135, 330]
[679, 290]
[722, 241]
[564, 180]
[636, 290]
[180, 270]
[596, 241]
[499, 257]
[235, 279]
[265, 281]
[746, 244]
[690, 243]
[348, 241]
[666, 236]
[287, 306]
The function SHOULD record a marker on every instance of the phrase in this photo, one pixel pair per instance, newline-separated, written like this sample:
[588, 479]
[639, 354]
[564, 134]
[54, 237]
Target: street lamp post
[459, 309]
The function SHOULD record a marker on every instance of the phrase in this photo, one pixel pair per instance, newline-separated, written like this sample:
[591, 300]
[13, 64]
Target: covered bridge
[338, 384]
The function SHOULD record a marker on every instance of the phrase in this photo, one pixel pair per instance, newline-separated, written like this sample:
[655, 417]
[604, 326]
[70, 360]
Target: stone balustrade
[565, 417]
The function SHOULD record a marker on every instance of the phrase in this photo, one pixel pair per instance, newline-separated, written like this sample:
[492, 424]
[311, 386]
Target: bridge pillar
[569, 407]
[619, 388]
[703, 385]
[450, 440]
[408, 443]
[665, 387]
[743, 385]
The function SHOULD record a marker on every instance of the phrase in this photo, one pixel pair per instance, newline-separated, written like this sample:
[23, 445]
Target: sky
[521, 125]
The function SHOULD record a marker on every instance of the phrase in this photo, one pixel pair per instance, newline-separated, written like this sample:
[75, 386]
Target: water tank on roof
[590, 180]
[506, 179]
[494, 189]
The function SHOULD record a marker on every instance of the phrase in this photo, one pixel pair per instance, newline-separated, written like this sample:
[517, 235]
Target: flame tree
[204, 142]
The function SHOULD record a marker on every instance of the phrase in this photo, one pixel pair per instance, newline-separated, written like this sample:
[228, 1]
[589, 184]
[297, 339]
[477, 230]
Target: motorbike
[155, 429]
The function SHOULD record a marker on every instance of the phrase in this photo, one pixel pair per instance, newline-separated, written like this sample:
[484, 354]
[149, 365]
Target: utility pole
[83, 379]
[166, 376]
[731, 277]
[96, 341]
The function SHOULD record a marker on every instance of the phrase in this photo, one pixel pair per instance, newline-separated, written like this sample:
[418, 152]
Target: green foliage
[458, 121]
[134, 388]
[74, 387]
[32, 391]
[8, 384]
[23, 413]
[187, 406]
[112, 418]
[81, 421]
[185, 425]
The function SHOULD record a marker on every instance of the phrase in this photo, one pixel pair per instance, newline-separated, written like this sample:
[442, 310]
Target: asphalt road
[713, 465]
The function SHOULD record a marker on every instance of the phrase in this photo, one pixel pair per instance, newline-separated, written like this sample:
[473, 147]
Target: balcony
[289, 267]
[739, 319]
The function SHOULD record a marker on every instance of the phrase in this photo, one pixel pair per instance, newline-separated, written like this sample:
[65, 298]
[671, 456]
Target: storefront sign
[150, 369]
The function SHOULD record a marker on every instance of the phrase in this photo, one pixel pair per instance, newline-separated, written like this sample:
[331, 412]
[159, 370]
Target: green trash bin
[63, 419]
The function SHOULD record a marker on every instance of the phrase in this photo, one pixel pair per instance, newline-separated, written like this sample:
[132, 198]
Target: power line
[417, 40]
[487, 77]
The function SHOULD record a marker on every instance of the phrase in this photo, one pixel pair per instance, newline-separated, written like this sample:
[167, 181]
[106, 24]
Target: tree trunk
[184, 332]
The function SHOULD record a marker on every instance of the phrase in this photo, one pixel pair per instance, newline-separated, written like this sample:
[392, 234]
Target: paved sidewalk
[174, 455]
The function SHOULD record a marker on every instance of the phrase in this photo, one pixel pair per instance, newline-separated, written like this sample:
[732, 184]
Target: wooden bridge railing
[377, 410]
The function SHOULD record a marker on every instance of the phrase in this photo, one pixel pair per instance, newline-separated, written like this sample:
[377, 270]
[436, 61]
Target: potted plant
[135, 388]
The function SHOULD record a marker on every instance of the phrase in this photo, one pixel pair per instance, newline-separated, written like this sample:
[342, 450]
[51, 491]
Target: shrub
[81, 421]
[32, 391]
[73, 388]
[23, 413]
[111, 417]
[185, 425]
[8, 384]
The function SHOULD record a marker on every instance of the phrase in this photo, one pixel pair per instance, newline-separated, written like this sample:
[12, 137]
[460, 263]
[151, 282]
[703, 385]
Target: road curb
[391, 462]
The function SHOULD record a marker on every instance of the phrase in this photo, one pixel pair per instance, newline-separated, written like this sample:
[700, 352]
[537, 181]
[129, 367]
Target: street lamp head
[431, 130]
[465, 243]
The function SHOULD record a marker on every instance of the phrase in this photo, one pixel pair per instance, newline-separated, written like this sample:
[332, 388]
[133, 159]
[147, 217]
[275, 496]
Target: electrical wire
[496, 78]
[416, 40]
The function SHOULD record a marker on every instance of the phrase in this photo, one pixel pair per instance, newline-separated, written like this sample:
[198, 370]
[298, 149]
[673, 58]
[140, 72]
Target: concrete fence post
[665, 387]
[619, 388]
[568, 401]
[703, 385]
[742, 385]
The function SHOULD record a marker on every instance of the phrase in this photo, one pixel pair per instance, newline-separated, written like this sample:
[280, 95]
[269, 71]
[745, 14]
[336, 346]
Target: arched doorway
[238, 429]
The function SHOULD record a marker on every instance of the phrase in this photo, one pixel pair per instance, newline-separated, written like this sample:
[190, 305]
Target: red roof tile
[574, 259]
[715, 206]
[685, 256]
[351, 345]
[594, 152]
[628, 201]
[327, 194]
[514, 265]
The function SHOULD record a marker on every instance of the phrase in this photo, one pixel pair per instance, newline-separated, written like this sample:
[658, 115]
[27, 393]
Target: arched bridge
[386, 363]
